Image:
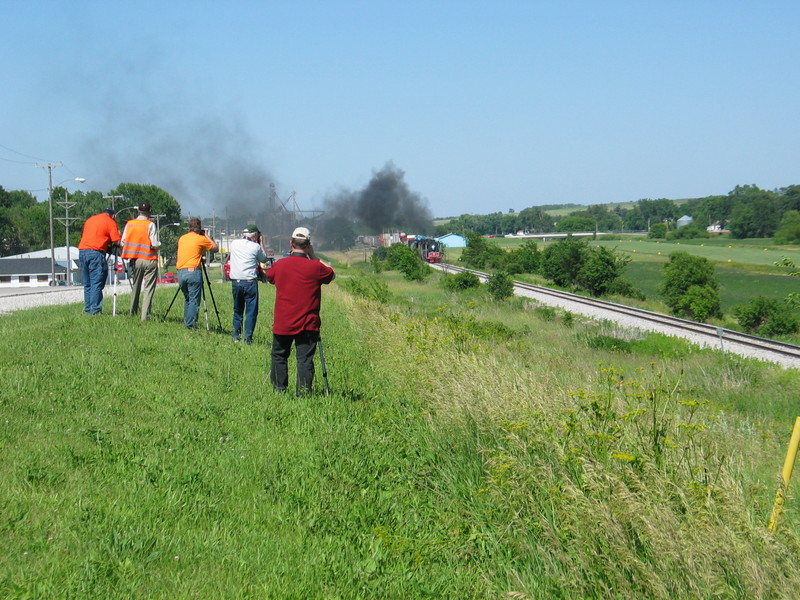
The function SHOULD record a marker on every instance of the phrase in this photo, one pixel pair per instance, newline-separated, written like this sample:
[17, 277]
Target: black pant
[305, 343]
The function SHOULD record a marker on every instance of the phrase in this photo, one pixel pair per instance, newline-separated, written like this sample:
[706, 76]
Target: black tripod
[203, 294]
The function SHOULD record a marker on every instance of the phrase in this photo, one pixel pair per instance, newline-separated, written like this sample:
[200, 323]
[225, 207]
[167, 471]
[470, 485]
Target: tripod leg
[211, 293]
[164, 318]
[324, 367]
[205, 304]
[114, 309]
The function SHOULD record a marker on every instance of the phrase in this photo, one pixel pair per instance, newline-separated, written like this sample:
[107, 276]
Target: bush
[766, 316]
[461, 281]
[789, 229]
[699, 302]
[657, 232]
[480, 254]
[366, 286]
[525, 259]
[600, 269]
[501, 286]
[683, 273]
[562, 262]
[402, 258]
[622, 287]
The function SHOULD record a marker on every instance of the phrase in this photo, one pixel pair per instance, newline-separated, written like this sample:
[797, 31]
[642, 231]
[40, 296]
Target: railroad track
[727, 340]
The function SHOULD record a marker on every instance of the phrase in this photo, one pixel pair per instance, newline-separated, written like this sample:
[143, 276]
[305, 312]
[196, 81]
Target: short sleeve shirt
[298, 296]
[190, 250]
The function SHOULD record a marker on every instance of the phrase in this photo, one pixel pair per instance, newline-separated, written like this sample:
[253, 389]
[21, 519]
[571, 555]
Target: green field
[470, 449]
[745, 268]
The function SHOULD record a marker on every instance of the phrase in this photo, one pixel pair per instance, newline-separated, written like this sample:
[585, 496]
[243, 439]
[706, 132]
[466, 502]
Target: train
[429, 249]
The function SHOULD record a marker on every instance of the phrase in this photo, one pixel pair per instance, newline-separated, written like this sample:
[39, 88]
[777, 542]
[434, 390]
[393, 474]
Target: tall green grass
[470, 449]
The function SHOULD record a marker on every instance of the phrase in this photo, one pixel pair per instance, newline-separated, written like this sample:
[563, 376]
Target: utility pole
[112, 198]
[49, 167]
[66, 220]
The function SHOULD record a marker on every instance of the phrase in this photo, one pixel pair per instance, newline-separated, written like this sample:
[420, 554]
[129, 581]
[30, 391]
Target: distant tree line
[25, 222]
[747, 212]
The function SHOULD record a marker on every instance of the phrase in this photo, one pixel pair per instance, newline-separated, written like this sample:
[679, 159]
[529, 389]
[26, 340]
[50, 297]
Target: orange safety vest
[137, 241]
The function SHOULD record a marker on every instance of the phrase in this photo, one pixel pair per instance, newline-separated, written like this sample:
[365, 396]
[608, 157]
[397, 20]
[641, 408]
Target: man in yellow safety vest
[140, 247]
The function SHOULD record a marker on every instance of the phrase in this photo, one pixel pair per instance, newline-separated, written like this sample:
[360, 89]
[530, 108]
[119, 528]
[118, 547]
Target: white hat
[301, 233]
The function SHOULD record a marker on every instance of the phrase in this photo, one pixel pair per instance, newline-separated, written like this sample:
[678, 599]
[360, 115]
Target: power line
[36, 158]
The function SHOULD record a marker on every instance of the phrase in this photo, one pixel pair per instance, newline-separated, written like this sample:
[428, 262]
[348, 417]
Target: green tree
[756, 212]
[689, 286]
[500, 285]
[534, 219]
[481, 254]
[575, 223]
[161, 201]
[658, 231]
[600, 269]
[700, 302]
[402, 258]
[657, 211]
[524, 259]
[562, 261]
[766, 316]
[788, 231]
[461, 281]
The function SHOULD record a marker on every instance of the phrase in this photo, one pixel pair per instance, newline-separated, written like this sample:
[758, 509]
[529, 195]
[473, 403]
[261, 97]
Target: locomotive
[429, 249]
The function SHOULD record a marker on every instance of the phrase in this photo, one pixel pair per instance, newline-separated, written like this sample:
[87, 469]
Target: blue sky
[485, 106]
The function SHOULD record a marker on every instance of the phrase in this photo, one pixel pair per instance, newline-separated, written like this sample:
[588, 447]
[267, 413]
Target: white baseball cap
[301, 233]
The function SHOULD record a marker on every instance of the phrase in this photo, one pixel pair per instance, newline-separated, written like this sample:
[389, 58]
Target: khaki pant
[145, 273]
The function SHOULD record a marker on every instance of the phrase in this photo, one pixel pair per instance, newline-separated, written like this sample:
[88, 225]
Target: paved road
[21, 298]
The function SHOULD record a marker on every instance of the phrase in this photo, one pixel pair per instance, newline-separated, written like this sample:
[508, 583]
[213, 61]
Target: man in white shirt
[246, 254]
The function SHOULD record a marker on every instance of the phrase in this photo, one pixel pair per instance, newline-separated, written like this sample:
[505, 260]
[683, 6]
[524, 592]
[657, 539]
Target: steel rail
[710, 332]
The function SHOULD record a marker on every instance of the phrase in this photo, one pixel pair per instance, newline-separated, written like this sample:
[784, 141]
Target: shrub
[501, 286]
[461, 281]
[699, 302]
[607, 342]
[622, 287]
[767, 316]
[657, 232]
[683, 273]
[366, 286]
[601, 267]
[480, 254]
[789, 229]
[562, 262]
[545, 313]
[525, 259]
[402, 258]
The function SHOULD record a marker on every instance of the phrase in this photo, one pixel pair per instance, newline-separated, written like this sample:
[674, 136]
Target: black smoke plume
[385, 204]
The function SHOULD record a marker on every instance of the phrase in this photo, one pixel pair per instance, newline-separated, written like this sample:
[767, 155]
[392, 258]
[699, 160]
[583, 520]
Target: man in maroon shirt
[298, 279]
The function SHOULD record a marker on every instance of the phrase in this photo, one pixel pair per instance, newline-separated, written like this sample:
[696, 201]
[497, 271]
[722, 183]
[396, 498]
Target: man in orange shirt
[100, 234]
[190, 274]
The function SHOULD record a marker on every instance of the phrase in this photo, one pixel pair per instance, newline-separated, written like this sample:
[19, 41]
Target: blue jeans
[245, 301]
[305, 343]
[94, 270]
[190, 283]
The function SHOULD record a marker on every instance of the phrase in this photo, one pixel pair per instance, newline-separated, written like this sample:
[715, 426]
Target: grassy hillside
[470, 450]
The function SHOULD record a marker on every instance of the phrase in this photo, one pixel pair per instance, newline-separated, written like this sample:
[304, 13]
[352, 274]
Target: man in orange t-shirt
[190, 275]
[100, 234]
